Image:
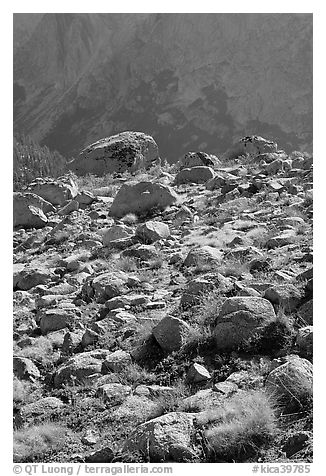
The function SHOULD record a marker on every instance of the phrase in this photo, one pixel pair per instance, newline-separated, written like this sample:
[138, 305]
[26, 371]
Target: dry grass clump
[239, 427]
[40, 351]
[32, 443]
[22, 391]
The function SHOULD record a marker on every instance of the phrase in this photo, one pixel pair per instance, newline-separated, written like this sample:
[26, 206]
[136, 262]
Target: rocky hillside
[192, 81]
[166, 315]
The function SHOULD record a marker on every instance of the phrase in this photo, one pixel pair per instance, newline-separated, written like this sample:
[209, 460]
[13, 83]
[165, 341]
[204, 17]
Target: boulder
[56, 319]
[71, 206]
[170, 333]
[116, 361]
[113, 393]
[199, 174]
[84, 198]
[116, 232]
[141, 252]
[56, 191]
[292, 381]
[224, 181]
[197, 374]
[29, 210]
[28, 278]
[253, 145]
[203, 256]
[142, 198]
[194, 159]
[287, 237]
[44, 406]
[80, 367]
[305, 312]
[25, 369]
[152, 231]
[127, 151]
[105, 286]
[240, 318]
[287, 296]
[304, 341]
[195, 290]
[166, 438]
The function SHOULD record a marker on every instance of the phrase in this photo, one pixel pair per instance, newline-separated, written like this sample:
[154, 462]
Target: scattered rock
[29, 210]
[197, 374]
[170, 333]
[203, 256]
[79, 367]
[56, 191]
[166, 438]
[116, 361]
[25, 369]
[152, 231]
[194, 159]
[240, 318]
[142, 198]
[194, 175]
[291, 381]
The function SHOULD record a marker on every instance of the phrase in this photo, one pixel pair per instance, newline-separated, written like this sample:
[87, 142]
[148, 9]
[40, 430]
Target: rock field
[164, 312]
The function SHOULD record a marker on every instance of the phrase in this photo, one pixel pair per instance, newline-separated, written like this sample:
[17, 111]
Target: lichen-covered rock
[119, 153]
[240, 318]
[142, 198]
[166, 438]
[56, 191]
[198, 174]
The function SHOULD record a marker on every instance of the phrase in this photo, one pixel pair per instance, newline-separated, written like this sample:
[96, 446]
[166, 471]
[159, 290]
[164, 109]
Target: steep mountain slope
[190, 80]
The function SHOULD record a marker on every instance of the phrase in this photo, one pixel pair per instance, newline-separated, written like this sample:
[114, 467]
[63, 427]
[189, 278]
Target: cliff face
[192, 81]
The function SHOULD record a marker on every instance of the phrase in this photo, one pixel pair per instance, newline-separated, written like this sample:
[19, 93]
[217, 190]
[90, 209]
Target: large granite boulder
[240, 318]
[57, 192]
[80, 366]
[171, 333]
[198, 174]
[253, 145]
[166, 438]
[29, 210]
[142, 198]
[194, 159]
[125, 151]
[292, 381]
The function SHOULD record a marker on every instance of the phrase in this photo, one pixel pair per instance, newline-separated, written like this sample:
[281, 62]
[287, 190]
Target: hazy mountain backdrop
[192, 81]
